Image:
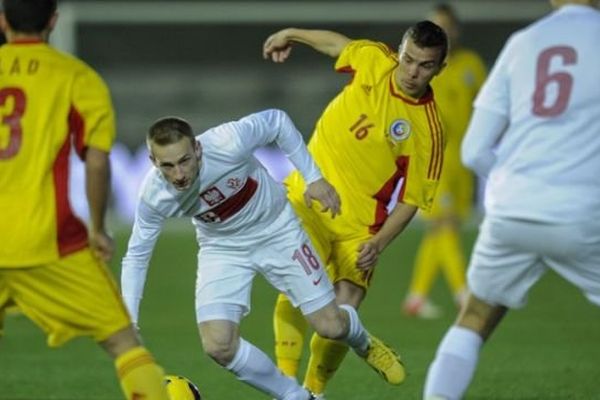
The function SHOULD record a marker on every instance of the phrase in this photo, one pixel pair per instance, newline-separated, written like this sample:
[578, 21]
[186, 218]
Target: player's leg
[503, 268]
[426, 269]
[342, 324]
[289, 324]
[456, 358]
[136, 368]
[452, 259]
[326, 351]
[225, 274]
[221, 341]
[77, 296]
[350, 287]
[290, 327]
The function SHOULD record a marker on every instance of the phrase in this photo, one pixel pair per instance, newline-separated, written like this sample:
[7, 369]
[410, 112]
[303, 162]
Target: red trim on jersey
[440, 130]
[426, 98]
[347, 70]
[235, 203]
[77, 130]
[437, 149]
[384, 195]
[71, 233]
[26, 41]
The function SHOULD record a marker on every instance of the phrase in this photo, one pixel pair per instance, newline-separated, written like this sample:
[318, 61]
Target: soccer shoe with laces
[384, 360]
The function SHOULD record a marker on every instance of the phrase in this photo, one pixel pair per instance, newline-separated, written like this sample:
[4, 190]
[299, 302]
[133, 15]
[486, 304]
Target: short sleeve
[92, 116]
[360, 54]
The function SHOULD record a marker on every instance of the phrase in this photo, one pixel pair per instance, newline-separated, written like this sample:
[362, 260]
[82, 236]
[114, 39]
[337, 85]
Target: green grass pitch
[550, 350]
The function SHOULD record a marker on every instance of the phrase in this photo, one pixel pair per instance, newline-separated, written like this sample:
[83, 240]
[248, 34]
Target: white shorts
[510, 256]
[282, 253]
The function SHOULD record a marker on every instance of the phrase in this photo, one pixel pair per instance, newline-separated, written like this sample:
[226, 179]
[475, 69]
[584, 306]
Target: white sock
[357, 337]
[451, 371]
[253, 367]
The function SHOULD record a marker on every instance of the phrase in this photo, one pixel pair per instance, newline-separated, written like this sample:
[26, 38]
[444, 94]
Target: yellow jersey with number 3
[371, 137]
[48, 101]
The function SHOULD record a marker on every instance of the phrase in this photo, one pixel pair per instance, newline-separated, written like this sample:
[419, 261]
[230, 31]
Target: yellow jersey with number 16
[49, 101]
[372, 137]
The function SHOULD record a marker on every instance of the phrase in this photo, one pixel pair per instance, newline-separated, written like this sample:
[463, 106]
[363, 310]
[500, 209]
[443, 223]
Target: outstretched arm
[278, 46]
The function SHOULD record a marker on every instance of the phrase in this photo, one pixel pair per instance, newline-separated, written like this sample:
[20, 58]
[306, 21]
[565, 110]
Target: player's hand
[324, 193]
[368, 254]
[102, 245]
[277, 47]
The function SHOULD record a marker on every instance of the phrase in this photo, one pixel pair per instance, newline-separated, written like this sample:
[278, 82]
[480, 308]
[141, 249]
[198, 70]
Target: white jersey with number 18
[546, 81]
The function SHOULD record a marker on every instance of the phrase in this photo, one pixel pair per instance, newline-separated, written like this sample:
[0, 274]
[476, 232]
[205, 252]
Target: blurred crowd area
[208, 68]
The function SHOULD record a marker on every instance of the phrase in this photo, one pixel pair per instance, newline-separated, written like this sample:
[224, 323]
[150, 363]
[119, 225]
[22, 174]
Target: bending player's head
[174, 151]
[421, 56]
[28, 17]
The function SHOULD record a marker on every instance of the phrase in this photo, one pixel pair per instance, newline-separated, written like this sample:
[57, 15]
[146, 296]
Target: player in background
[382, 129]
[51, 267]
[441, 249]
[244, 226]
[535, 136]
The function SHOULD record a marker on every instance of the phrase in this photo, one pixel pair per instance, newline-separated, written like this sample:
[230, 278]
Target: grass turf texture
[549, 350]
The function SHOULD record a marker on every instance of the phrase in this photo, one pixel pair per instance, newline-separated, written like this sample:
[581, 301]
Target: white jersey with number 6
[546, 83]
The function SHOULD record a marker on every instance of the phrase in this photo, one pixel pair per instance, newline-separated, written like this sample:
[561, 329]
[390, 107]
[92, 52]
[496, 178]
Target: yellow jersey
[49, 103]
[455, 89]
[371, 136]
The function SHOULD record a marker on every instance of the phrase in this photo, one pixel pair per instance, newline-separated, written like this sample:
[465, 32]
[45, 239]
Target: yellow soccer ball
[181, 388]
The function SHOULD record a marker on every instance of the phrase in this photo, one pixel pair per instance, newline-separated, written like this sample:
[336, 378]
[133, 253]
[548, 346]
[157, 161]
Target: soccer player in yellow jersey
[441, 249]
[51, 268]
[382, 130]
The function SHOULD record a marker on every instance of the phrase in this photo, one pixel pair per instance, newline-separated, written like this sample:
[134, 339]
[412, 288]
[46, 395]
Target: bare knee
[330, 322]
[121, 342]
[220, 341]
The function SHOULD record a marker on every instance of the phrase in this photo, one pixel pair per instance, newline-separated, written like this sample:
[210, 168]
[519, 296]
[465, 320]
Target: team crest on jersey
[399, 130]
[212, 196]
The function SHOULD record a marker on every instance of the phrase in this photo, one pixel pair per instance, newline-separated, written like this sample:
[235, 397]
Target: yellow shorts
[74, 296]
[336, 242]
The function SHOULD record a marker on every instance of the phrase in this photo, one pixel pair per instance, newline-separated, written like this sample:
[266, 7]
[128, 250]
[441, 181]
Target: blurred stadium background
[202, 60]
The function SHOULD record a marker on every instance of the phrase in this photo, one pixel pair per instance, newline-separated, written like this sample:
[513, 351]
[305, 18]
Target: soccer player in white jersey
[244, 225]
[535, 136]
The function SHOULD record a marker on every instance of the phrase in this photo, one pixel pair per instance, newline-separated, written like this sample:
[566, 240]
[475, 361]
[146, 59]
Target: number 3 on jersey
[11, 119]
[562, 81]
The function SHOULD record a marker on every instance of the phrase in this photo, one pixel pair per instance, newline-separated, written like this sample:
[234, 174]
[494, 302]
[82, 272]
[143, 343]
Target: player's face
[417, 66]
[179, 162]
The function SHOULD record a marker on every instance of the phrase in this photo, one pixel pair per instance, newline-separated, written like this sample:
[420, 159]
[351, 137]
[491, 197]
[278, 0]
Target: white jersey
[232, 195]
[546, 83]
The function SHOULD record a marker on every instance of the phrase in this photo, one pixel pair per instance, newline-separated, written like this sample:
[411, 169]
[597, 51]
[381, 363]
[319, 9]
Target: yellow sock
[290, 327]
[453, 263]
[325, 358]
[426, 265]
[140, 377]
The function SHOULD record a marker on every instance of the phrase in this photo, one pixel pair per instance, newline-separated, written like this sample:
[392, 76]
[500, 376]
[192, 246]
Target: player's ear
[198, 148]
[52, 22]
